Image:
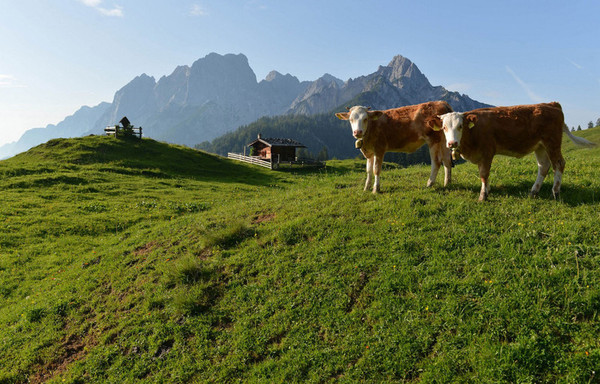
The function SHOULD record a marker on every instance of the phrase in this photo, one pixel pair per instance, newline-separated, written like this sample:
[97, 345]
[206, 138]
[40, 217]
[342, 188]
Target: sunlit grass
[140, 261]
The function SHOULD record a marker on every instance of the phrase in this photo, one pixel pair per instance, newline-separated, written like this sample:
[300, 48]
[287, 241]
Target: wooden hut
[278, 150]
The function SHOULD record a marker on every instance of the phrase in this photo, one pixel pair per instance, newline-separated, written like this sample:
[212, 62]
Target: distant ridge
[219, 93]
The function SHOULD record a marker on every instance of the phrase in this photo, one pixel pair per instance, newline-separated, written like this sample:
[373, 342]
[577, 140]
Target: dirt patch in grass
[145, 249]
[73, 349]
[264, 218]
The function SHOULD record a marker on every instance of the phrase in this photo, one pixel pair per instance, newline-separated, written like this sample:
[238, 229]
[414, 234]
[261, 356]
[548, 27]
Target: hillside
[139, 261]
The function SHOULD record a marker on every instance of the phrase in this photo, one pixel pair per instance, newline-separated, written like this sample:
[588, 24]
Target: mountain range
[219, 93]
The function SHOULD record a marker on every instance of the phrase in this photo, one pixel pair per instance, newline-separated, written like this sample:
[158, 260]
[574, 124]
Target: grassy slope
[122, 261]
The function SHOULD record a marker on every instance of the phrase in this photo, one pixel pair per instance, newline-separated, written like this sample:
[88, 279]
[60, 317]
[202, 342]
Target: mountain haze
[219, 93]
[72, 126]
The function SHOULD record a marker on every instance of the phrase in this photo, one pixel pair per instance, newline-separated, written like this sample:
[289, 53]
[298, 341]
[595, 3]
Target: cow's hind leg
[484, 174]
[543, 162]
[558, 163]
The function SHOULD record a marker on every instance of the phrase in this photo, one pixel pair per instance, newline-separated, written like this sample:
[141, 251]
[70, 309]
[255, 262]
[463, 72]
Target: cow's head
[452, 124]
[359, 118]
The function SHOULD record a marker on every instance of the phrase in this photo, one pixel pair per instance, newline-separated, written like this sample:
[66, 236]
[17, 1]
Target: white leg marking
[376, 184]
[485, 190]
[435, 166]
[557, 184]
[543, 166]
[377, 160]
[369, 172]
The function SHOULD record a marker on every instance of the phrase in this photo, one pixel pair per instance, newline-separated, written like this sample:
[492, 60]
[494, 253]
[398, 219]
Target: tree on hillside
[323, 155]
[579, 127]
[590, 125]
[572, 129]
[598, 122]
[303, 153]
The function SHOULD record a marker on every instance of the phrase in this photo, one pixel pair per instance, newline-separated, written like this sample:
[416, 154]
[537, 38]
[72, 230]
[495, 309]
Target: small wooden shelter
[123, 130]
[274, 149]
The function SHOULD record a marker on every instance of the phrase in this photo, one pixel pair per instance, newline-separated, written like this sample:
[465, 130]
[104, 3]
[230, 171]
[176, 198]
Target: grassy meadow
[127, 261]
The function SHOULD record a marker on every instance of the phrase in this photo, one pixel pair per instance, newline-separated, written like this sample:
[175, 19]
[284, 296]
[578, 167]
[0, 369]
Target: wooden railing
[251, 159]
[117, 131]
[275, 163]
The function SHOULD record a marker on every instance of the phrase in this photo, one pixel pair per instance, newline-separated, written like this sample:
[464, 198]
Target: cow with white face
[516, 131]
[359, 119]
[399, 130]
[453, 123]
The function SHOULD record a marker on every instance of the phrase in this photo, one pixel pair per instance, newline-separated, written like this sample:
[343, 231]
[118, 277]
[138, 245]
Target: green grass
[137, 261]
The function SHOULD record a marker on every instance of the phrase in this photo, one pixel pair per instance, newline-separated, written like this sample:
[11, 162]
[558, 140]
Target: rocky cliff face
[219, 93]
[398, 84]
[279, 91]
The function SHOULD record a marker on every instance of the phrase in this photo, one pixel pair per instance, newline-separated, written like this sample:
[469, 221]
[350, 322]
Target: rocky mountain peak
[402, 72]
[224, 77]
[327, 78]
[273, 75]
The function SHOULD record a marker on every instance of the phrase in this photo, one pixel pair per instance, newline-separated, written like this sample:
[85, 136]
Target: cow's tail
[578, 140]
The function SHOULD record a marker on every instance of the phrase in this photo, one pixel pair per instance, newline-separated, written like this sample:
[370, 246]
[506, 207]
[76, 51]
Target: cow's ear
[343, 115]
[374, 115]
[471, 120]
[434, 123]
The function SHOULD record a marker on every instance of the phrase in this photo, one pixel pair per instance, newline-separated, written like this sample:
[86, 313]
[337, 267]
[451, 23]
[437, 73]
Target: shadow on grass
[145, 157]
[571, 195]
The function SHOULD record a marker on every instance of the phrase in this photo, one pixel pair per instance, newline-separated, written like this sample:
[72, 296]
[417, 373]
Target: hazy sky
[57, 55]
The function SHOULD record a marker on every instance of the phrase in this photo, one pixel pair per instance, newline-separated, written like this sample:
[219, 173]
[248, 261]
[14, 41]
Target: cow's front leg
[447, 160]
[377, 162]
[369, 172]
[484, 174]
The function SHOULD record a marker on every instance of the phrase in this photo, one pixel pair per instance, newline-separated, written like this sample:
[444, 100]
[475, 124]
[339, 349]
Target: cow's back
[517, 130]
[403, 129]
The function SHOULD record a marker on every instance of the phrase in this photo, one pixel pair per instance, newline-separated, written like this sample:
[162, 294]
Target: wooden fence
[251, 159]
[275, 163]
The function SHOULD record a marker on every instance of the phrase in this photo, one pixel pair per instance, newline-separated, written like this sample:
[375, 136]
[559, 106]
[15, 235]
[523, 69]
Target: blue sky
[56, 56]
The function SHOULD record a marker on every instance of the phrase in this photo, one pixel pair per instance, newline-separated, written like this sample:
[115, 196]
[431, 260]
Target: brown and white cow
[516, 131]
[402, 129]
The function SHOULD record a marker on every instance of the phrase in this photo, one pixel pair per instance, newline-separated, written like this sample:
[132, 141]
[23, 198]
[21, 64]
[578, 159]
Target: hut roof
[125, 121]
[277, 142]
